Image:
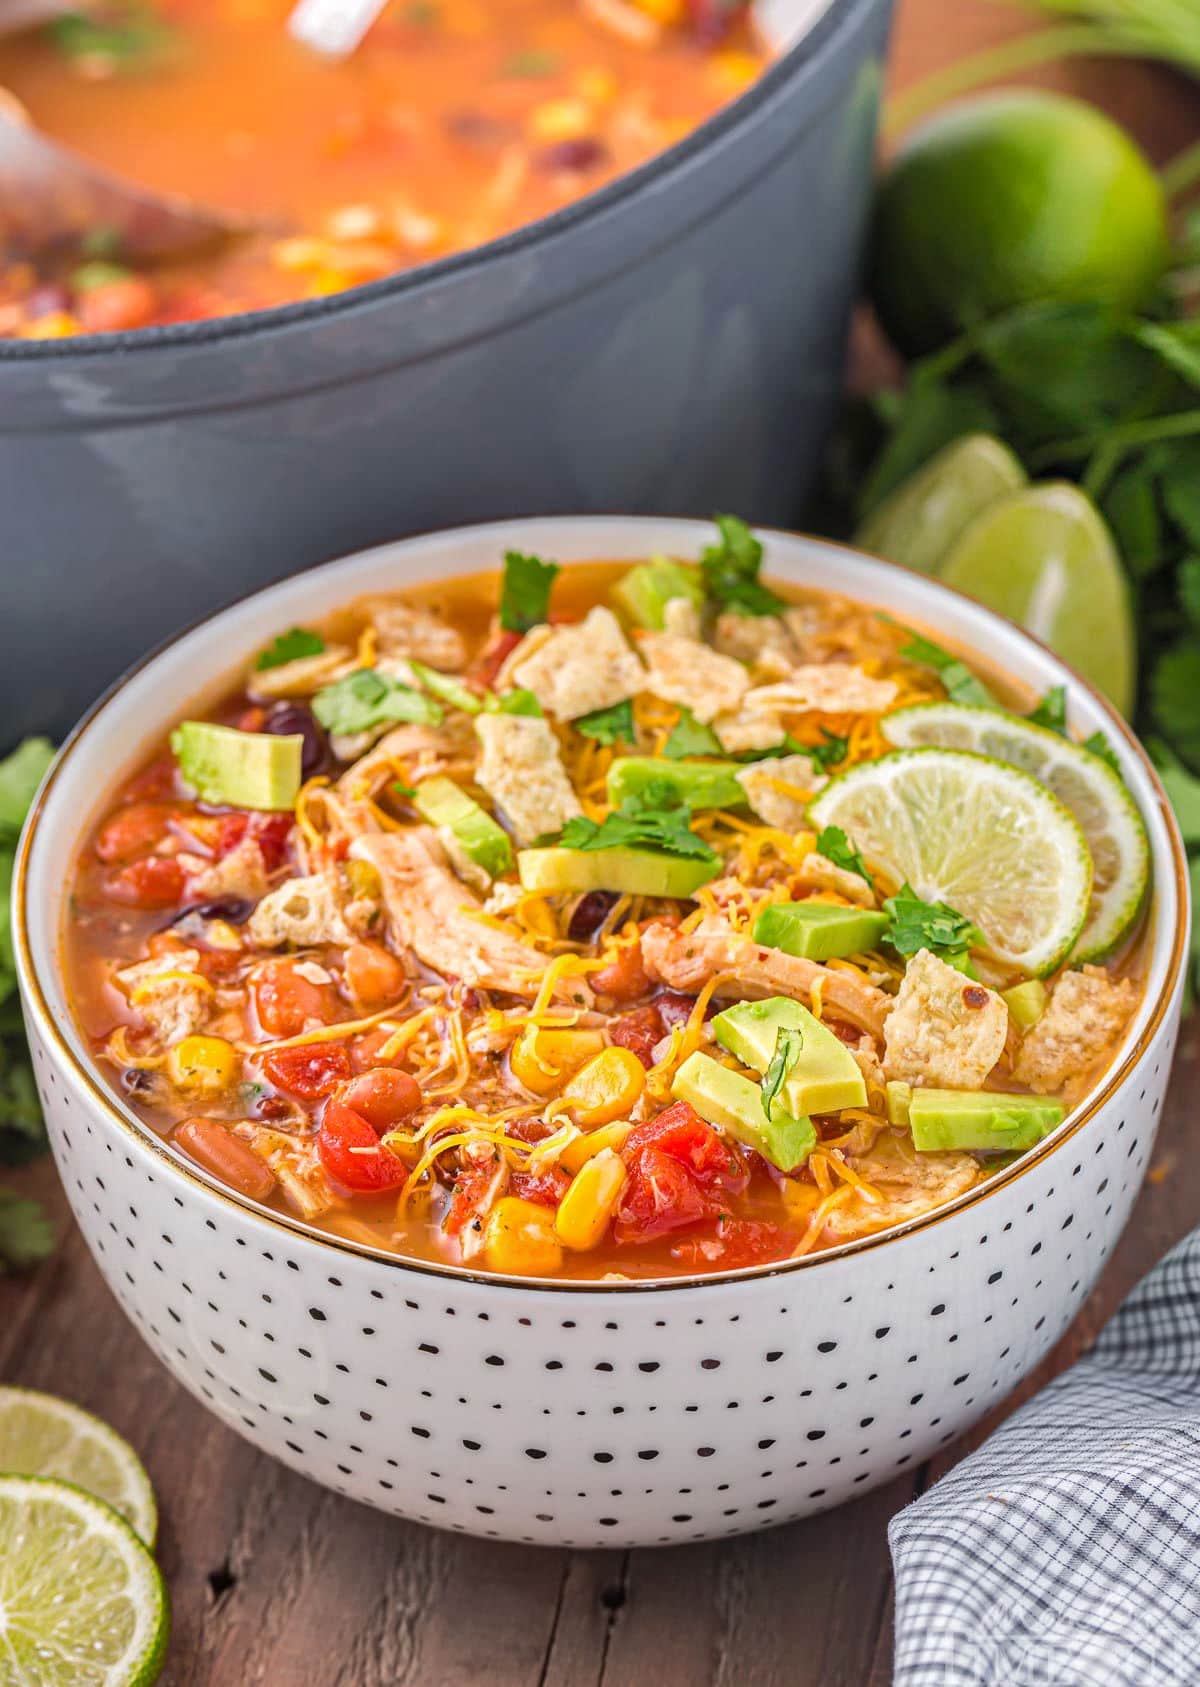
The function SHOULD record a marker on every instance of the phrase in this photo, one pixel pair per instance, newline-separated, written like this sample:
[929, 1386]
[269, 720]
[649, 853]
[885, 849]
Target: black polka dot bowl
[601, 1414]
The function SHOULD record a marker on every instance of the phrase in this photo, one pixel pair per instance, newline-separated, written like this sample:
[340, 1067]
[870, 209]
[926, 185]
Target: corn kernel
[733, 70]
[55, 325]
[542, 1058]
[561, 120]
[606, 1088]
[300, 253]
[364, 880]
[588, 1205]
[577, 1153]
[519, 1238]
[202, 1065]
[597, 85]
[668, 12]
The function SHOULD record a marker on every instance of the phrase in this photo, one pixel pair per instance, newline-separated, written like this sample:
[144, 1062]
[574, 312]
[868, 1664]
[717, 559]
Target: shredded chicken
[1086, 1013]
[428, 912]
[298, 1171]
[241, 873]
[417, 634]
[168, 994]
[687, 960]
[909, 1183]
[419, 752]
[944, 1030]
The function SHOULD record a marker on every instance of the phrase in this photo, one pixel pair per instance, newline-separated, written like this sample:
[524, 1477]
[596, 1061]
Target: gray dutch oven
[670, 344]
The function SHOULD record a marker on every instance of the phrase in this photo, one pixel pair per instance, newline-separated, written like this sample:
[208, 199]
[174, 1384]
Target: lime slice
[1096, 796]
[921, 519]
[81, 1601]
[43, 1436]
[986, 838]
[1045, 558]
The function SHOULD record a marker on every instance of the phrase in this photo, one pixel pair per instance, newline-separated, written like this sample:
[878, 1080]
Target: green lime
[921, 519]
[43, 1436]
[1006, 199]
[1095, 794]
[984, 837]
[1045, 558]
[81, 1601]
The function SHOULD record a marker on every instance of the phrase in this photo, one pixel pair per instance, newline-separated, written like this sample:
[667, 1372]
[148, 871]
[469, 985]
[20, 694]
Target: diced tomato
[546, 1188]
[674, 1007]
[639, 1031]
[470, 1189]
[157, 780]
[156, 881]
[309, 1071]
[269, 831]
[383, 1097]
[686, 1137]
[660, 1196]
[287, 1003]
[132, 830]
[492, 658]
[251, 719]
[353, 1155]
[529, 1130]
[625, 978]
[733, 1242]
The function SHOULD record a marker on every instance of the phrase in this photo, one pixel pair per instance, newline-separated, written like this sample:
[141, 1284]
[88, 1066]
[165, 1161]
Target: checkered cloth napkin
[1066, 1551]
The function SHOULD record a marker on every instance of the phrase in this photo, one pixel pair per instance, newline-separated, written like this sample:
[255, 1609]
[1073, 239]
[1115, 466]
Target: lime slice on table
[43, 1436]
[81, 1601]
[918, 522]
[1045, 558]
[1096, 796]
[984, 837]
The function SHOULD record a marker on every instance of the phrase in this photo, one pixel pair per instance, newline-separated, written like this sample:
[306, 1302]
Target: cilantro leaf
[366, 699]
[829, 754]
[1099, 745]
[788, 1044]
[645, 821]
[128, 37]
[690, 737]
[961, 684]
[291, 646]
[835, 846]
[609, 726]
[1051, 712]
[516, 702]
[25, 1234]
[525, 591]
[916, 925]
[730, 570]
[20, 775]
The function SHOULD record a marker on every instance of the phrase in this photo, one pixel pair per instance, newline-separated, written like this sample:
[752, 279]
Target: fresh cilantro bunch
[730, 570]
[653, 818]
[291, 646]
[25, 1235]
[835, 846]
[525, 591]
[916, 924]
[366, 699]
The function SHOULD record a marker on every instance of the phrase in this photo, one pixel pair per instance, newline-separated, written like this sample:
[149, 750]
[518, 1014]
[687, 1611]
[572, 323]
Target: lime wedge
[81, 1601]
[1096, 796]
[43, 1436]
[921, 519]
[986, 838]
[1045, 558]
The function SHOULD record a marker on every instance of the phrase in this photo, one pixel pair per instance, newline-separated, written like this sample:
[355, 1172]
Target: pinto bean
[212, 1146]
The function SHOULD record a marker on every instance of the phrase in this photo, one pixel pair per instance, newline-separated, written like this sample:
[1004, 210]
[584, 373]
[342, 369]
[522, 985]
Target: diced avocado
[898, 1099]
[825, 1077]
[1026, 1002]
[443, 803]
[818, 931]
[643, 593]
[735, 1103]
[980, 1120]
[696, 784]
[241, 769]
[449, 689]
[629, 871]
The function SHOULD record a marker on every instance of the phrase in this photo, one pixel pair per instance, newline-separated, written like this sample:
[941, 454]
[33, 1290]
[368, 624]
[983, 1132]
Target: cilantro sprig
[962, 686]
[789, 1044]
[366, 699]
[291, 646]
[690, 737]
[1051, 711]
[835, 846]
[609, 726]
[652, 819]
[730, 570]
[916, 924]
[525, 591]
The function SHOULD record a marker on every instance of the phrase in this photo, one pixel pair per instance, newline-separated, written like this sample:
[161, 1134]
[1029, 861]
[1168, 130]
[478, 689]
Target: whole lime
[1007, 199]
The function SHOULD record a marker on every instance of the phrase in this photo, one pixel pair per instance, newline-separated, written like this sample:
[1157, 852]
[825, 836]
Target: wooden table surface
[277, 1583]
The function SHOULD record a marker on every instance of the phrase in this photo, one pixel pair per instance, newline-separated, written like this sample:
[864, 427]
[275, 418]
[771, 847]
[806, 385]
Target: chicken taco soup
[613, 921]
[454, 122]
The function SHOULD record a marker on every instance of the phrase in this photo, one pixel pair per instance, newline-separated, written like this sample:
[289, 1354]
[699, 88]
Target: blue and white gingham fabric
[1066, 1551]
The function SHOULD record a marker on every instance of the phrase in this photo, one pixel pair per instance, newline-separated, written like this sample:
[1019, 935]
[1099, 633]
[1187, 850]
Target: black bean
[591, 911]
[285, 719]
[583, 152]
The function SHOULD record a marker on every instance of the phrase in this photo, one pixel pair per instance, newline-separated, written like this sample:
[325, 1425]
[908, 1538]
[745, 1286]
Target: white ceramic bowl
[584, 1414]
